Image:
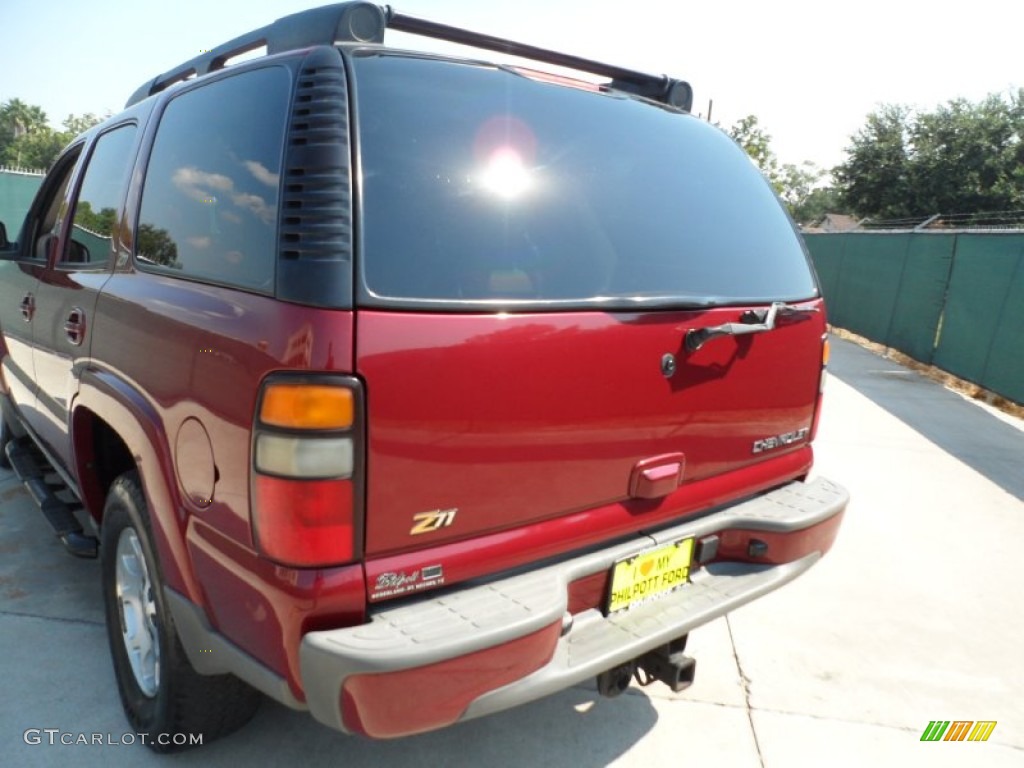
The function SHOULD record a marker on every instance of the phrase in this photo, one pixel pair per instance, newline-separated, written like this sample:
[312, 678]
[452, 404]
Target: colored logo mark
[958, 730]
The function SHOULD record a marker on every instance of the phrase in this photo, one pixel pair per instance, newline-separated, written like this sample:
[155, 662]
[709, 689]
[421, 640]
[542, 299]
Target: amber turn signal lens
[307, 406]
[826, 351]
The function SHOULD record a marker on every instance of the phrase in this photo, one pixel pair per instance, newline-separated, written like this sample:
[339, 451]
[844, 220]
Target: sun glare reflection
[505, 150]
[505, 174]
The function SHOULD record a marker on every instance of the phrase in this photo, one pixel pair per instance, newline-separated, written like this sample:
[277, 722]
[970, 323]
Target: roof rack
[659, 87]
[344, 22]
[364, 22]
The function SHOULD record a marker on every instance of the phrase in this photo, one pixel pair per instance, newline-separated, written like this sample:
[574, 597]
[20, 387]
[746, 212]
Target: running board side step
[32, 470]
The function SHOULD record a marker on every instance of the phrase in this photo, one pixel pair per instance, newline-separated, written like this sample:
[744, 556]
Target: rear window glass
[99, 198]
[482, 185]
[209, 206]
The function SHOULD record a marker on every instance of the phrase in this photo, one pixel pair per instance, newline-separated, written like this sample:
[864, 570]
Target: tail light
[825, 352]
[307, 457]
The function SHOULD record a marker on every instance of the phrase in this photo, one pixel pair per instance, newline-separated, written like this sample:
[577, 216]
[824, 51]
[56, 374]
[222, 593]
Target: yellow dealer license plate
[650, 574]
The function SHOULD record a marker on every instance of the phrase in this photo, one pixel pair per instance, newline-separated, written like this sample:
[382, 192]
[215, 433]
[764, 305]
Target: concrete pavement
[914, 616]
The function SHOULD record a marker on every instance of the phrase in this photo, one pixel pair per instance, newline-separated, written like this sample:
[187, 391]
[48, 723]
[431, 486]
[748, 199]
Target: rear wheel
[162, 695]
[5, 438]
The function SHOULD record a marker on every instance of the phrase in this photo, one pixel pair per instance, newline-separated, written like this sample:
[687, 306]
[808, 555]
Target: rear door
[533, 258]
[67, 289]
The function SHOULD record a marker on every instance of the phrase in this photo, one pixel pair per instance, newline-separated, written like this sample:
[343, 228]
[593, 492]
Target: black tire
[166, 699]
[5, 438]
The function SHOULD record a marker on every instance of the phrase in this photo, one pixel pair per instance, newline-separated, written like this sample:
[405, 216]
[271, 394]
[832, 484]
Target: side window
[99, 199]
[44, 229]
[209, 204]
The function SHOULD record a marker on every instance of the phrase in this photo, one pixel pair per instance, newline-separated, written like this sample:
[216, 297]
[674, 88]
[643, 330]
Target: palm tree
[18, 118]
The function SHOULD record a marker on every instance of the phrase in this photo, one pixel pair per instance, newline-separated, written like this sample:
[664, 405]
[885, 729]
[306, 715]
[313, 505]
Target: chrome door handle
[74, 326]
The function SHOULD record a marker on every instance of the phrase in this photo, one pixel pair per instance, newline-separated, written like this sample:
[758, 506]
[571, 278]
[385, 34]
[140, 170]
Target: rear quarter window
[210, 198]
[99, 199]
[483, 185]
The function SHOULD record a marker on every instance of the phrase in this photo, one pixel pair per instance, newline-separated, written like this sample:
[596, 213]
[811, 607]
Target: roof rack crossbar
[417, 26]
[365, 22]
[660, 87]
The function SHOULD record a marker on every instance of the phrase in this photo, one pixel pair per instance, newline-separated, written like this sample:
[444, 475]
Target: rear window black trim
[368, 300]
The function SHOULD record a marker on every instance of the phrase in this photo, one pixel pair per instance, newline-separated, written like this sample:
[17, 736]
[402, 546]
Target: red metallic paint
[425, 698]
[103, 396]
[264, 608]
[208, 362]
[548, 426]
[429, 697]
[516, 419]
[657, 476]
[215, 347]
[490, 553]
[592, 591]
[529, 424]
[588, 592]
[822, 380]
[782, 547]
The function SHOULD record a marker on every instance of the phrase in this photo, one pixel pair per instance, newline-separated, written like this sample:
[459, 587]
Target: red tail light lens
[304, 522]
[307, 463]
[825, 354]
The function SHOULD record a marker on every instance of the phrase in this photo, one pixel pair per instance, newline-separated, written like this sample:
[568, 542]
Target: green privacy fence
[16, 192]
[953, 299]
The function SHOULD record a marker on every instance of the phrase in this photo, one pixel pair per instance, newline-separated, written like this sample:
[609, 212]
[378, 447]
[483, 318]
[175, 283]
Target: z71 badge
[425, 522]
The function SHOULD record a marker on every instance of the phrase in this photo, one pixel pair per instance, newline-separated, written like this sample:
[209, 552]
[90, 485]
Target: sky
[810, 71]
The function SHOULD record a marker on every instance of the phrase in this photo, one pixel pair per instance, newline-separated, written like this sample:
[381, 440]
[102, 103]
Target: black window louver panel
[316, 203]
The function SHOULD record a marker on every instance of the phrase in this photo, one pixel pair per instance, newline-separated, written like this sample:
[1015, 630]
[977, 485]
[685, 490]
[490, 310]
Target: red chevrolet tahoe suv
[406, 388]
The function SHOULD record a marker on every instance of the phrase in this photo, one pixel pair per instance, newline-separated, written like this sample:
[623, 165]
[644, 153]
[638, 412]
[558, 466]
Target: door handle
[74, 326]
[28, 306]
[657, 476]
[750, 322]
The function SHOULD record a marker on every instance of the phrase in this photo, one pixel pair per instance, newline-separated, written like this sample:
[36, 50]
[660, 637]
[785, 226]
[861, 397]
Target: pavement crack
[61, 619]
[745, 681]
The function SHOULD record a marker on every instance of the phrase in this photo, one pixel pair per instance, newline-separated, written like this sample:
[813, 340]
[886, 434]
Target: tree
[967, 157]
[794, 184]
[756, 142]
[101, 223]
[875, 179]
[819, 201]
[17, 119]
[27, 141]
[76, 124]
[156, 245]
[37, 149]
[961, 158]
